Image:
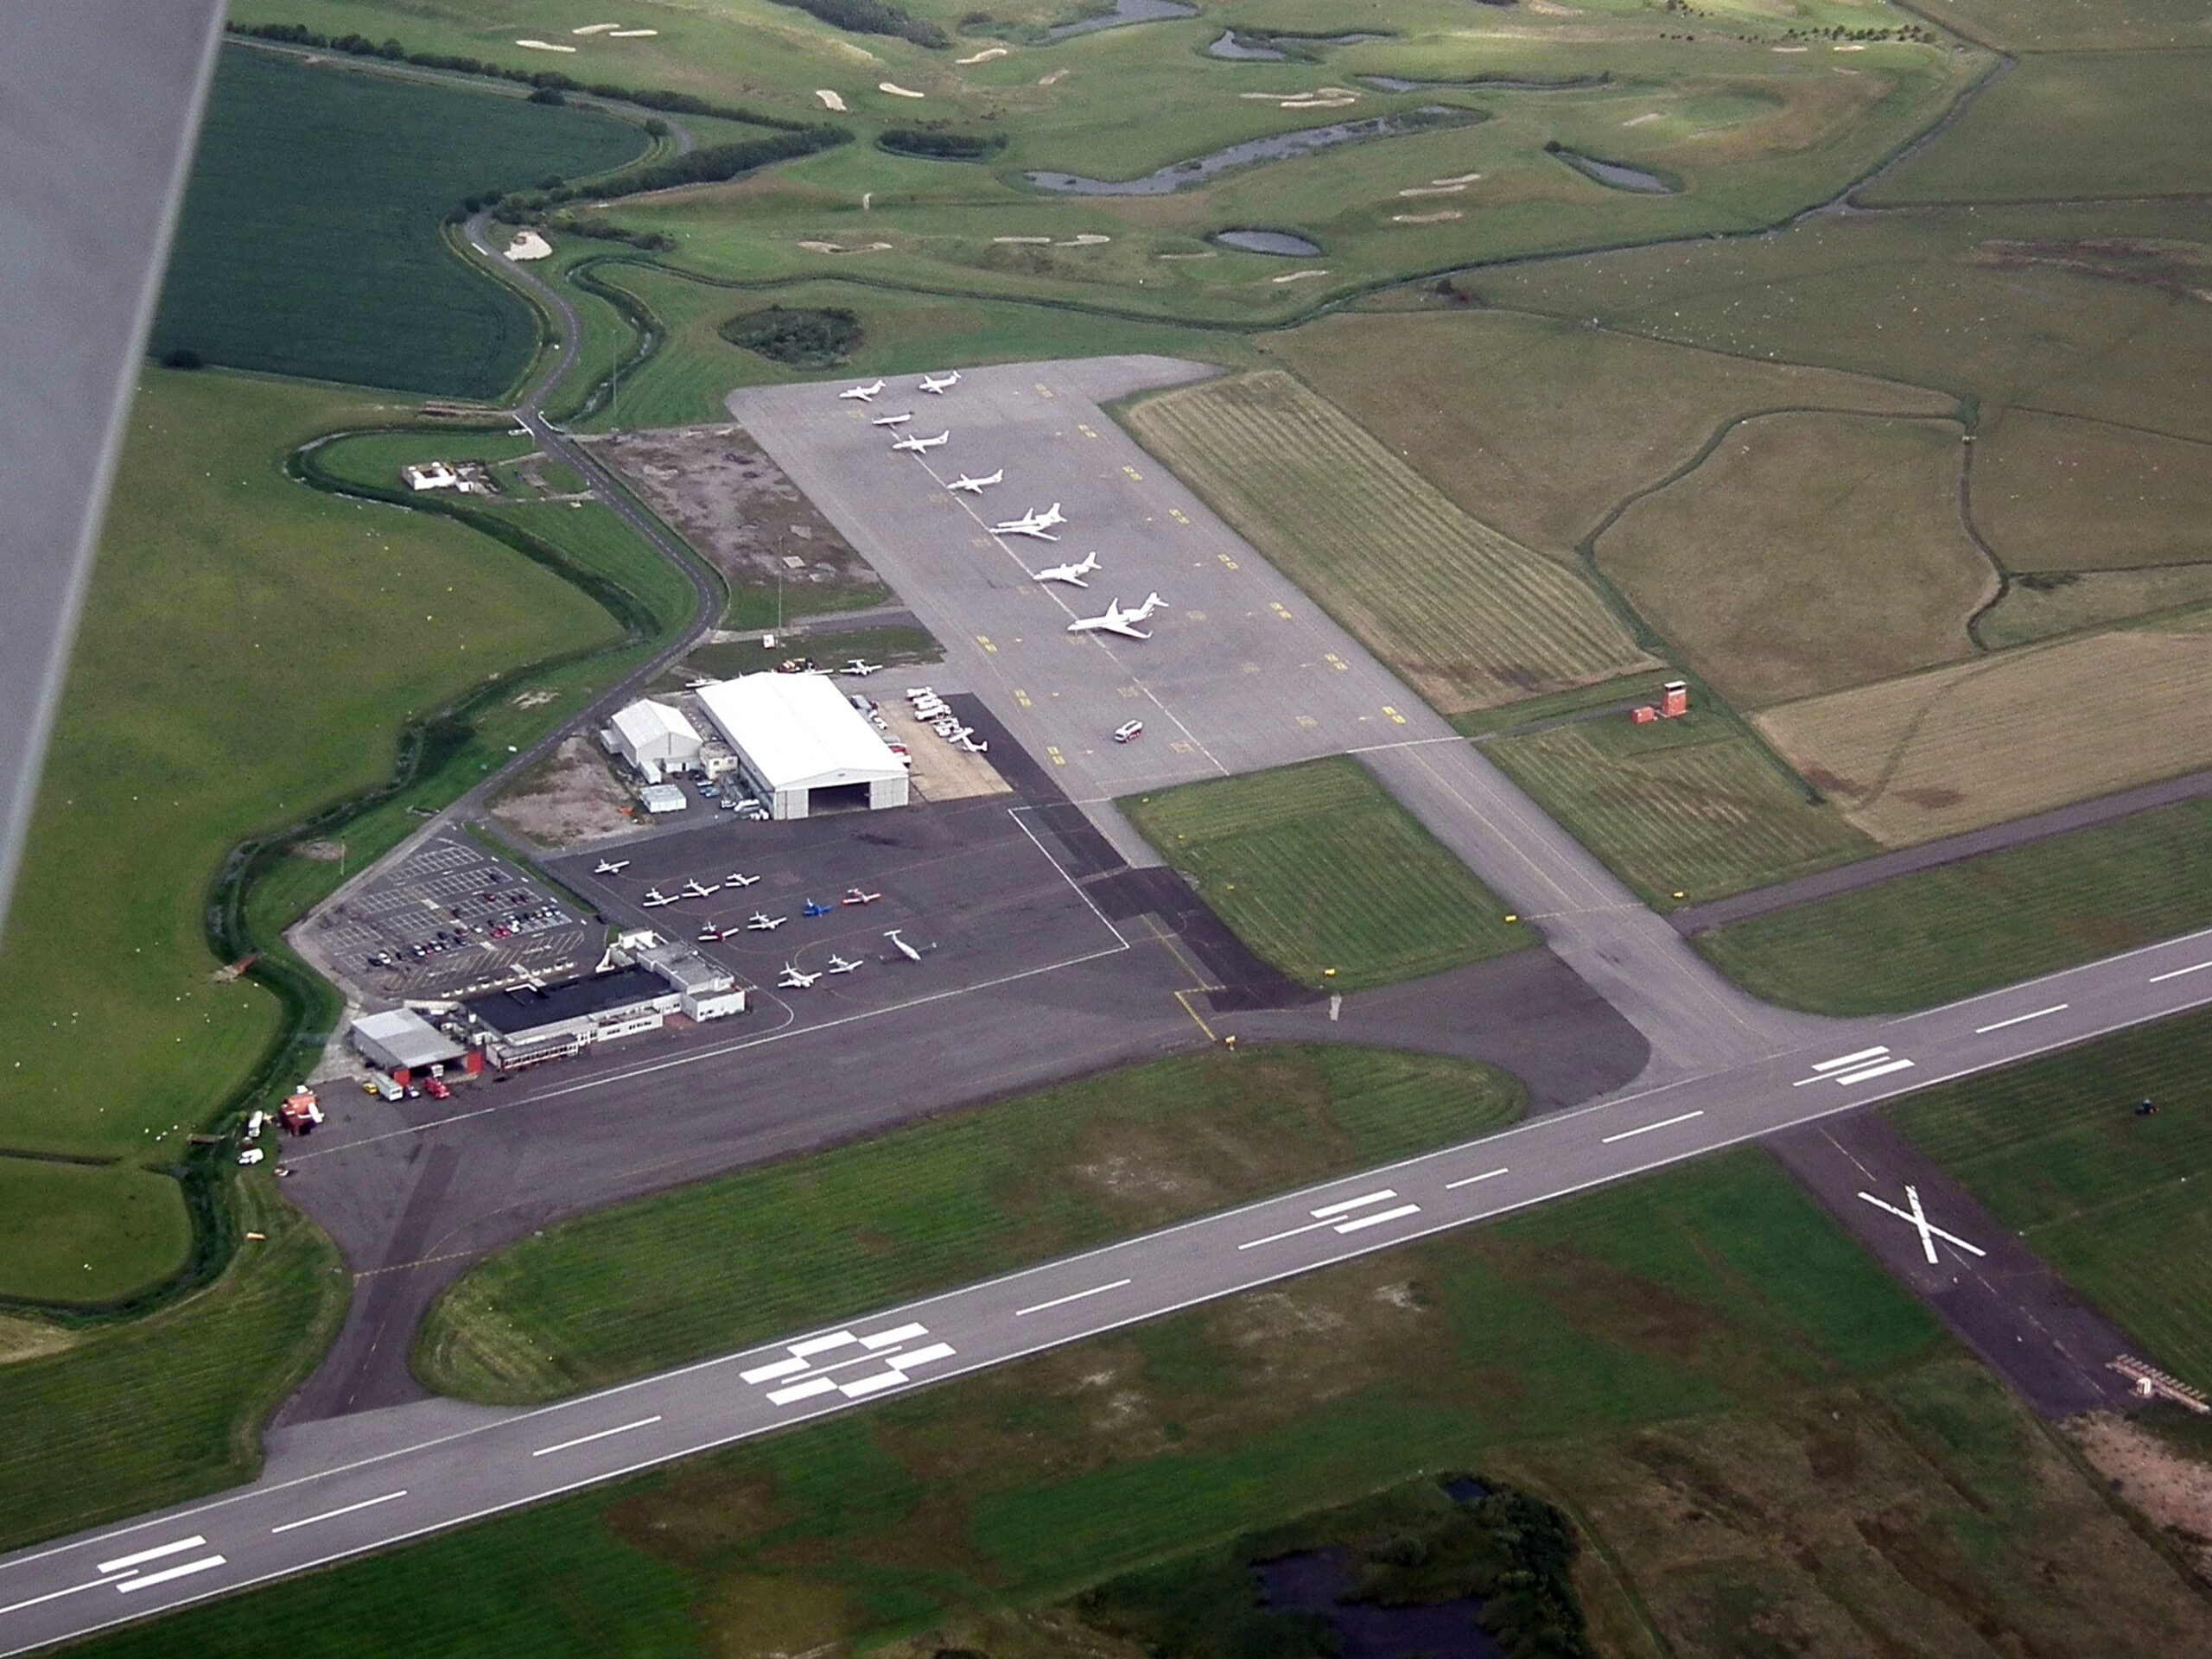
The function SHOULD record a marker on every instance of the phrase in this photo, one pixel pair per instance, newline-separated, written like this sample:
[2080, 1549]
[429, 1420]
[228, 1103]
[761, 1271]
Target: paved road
[394, 1475]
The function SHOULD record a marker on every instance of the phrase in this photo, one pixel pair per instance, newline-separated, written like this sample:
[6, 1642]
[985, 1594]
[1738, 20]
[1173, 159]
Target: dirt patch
[572, 797]
[320, 852]
[2173, 1490]
[736, 508]
[31, 1339]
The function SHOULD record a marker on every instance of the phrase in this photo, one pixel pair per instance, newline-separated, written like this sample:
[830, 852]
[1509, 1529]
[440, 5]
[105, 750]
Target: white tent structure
[654, 738]
[801, 746]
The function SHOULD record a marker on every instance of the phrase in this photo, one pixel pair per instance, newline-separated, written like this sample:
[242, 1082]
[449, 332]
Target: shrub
[803, 337]
[937, 144]
[182, 356]
[873, 17]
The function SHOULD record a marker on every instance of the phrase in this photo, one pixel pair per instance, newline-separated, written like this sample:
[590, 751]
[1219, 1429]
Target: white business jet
[762, 921]
[863, 393]
[1118, 621]
[977, 486]
[839, 965]
[609, 865]
[902, 947]
[655, 899]
[915, 445]
[1072, 575]
[795, 981]
[892, 420]
[938, 383]
[1032, 523]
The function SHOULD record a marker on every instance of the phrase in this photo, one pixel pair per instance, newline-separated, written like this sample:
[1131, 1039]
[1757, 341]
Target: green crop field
[88, 1233]
[1468, 616]
[1703, 1342]
[2061, 494]
[2121, 1204]
[1807, 553]
[1691, 806]
[310, 242]
[839, 1232]
[1967, 927]
[1319, 872]
[1470, 398]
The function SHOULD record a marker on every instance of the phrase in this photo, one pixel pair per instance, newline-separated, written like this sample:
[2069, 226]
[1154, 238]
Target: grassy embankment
[1320, 872]
[1757, 1431]
[311, 241]
[980, 1193]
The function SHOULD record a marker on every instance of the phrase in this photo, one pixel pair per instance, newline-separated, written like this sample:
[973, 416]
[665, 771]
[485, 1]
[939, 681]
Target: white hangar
[801, 745]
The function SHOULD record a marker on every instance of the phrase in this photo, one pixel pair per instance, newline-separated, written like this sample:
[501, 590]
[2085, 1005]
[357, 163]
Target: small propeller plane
[854, 896]
[735, 880]
[960, 733]
[812, 908]
[839, 965]
[863, 393]
[1032, 523]
[655, 899]
[902, 947]
[968, 743]
[915, 445]
[795, 981]
[609, 865]
[937, 383]
[696, 889]
[1118, 621]
[977, 486]
[761, 922]
[709, 934]
[861, 668]
[899, 419]
[1072, 575]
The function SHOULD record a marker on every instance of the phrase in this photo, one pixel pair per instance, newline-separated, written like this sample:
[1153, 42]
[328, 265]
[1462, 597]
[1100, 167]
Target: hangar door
[837, 797]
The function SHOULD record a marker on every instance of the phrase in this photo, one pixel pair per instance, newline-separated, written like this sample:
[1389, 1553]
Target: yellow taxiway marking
[1248, 667]
[1044, 390]
[1227, 563]
[1181, 747]
[1336, 662]
[1133, 472]
[1306, 723]
[1394, 714]
[1176, 513]
[1131, 691]
[1085, 430]
[1196, 616]
[1022, 696]
[1057, 758]
[1280, 611]
[984, 640]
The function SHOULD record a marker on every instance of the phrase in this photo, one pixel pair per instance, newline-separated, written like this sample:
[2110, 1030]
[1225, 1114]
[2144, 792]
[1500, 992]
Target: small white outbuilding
[801, 746]
[654, 739]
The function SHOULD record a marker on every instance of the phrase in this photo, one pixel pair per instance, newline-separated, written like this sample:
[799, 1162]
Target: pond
[1282, 242]
[1124, 11]
[1617, 175]
[1305, 142]
[1311, 1581]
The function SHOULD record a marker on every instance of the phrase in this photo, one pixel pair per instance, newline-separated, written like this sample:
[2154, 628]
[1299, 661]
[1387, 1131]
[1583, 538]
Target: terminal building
[801, 746]
[651, 978]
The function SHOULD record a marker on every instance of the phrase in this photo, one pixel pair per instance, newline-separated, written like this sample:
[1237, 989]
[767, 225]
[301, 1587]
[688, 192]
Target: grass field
[2057, 494]
[89, 1233]
[2117, 1203]
[1955, 748]
[112, 1420]
[1470, 398]
[310, 242]
[1468, 616]
[2091, 599]
[1319, 872]
[1772, 1442]
[1692, 806]
[932, 1206]
[1967, 927]
[1807, 553]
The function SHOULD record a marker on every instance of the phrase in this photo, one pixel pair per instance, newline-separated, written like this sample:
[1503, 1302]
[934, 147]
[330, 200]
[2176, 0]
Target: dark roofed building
[527, 1024]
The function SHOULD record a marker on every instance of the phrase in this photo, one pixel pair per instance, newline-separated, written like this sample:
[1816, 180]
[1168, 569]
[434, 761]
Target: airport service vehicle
[863, 393]
[854, 896]
[935, 384]
[861, 668]
[655, 899]
[1072, 575]
[915, 445]
[901, 946]
[761, 922]
[1119, 620]
[1128, 732]
[892, 420]
[610, 866]
[1032, 523]
[387, 1088]
[437, 1089]
[795, 981]
[977, 486]
[839, 965]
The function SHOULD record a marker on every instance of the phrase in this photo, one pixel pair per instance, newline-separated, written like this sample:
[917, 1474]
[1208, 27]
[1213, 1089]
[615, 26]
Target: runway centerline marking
[585, 1440]
[1663, 1123]
[153, 1554]
[127, 1586]
[2194, 968]
[2022, 1019]
[1062, 1301]
[1487, 1175]
[332, 1515]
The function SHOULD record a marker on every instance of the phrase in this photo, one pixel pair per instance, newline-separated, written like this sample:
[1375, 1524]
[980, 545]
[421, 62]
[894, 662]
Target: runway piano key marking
[1834, 1070]
[154, 1554]
[809, 1377]
[1339, 1217]
[127, 1586]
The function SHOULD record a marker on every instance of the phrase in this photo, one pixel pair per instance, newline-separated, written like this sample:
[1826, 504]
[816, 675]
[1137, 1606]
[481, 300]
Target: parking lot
[450, 920]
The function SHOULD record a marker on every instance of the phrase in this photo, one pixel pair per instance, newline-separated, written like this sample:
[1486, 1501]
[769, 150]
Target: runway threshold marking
[1339, 1217]
[332, 1515]
[127, 1586]
[1062, 1301]
[604, 1433]
[2194, 968]
[124, 1562]
[2022, 1019]
[1646, 1129]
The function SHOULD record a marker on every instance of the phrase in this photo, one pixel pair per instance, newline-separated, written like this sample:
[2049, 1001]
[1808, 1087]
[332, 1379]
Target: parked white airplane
[861, 668]
[795, 981]
[1072, 575]
[737, 880]
[915, 445]
[609, 865]
[937, 383]
[1117, 621]
[977, 486]
[862, 392]
[1032, 523]
[892, 420]
[959, 734]
[655, 899]
[839, 965]
[710, 934]
[764, 923]
[973, 747]
[859, 896]
[902, 947]
[698, 890]
[916, 693]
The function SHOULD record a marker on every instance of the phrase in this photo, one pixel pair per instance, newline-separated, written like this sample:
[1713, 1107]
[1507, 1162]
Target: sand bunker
[594, 29]
[1427, 218]
[1052, 80]
[1457, 178]
[830, 99]
[545, 46]
[1321, 97]
[984, 56]
[1793, 48]
[1432, 190]
[1848, 48]
[1316, 103]
[838, 247]
[1040, 241]
[634, 34]
[1209, 254]
[897, 91]
[528, 245]
[1296, 276]
[1084, 239]
[1641, 120]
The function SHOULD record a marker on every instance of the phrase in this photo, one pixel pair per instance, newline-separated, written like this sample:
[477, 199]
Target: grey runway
[398, 1474]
